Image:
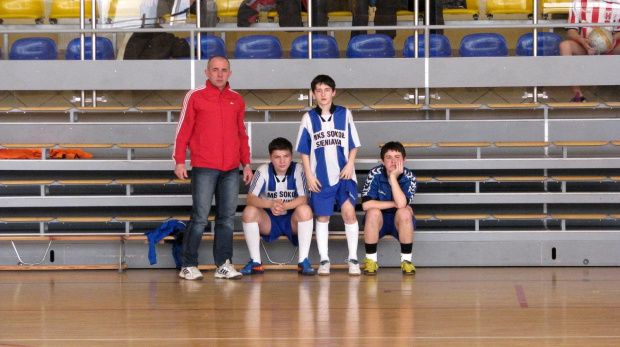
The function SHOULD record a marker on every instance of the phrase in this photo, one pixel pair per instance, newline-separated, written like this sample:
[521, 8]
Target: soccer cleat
[227, 270]
[304, 268]
[371, 267]
[190, 273]
[407, 267]
[252, 268]
[578, 98]
[324, 268]
[354, 267]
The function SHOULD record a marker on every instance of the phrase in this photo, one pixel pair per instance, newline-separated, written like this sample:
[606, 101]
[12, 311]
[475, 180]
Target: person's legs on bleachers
[359, 8]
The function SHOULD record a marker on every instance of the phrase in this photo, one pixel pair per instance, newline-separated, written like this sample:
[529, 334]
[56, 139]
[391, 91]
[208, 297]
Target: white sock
[252, 238]
[322, 238]
[372, 256]
[353, 235]
[405, 256]
[304, 236]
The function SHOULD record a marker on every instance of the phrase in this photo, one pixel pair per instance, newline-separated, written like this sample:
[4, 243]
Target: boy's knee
[250, 214]
[303, 212]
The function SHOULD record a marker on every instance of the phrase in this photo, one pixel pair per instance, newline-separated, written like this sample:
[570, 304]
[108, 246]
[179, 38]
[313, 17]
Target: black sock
[406, 248]
[371, 248]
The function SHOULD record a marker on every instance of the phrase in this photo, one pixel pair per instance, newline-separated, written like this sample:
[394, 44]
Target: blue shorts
[323, 203]
[388, 227]
[280, 225]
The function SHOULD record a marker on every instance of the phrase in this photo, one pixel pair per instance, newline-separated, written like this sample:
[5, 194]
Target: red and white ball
[601, 39]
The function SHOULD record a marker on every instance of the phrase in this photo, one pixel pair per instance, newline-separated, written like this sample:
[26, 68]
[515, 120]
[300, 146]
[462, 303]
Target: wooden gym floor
[436, 307]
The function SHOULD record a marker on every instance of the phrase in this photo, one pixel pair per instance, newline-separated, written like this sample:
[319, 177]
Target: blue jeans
[225, 186]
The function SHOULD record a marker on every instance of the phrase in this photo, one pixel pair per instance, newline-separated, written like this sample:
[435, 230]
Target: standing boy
[387, 194]
[328, 142]
[277, 204]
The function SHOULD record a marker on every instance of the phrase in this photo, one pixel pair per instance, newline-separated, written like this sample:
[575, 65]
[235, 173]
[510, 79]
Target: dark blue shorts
[323, 203]
[388, 227]
[280, 225]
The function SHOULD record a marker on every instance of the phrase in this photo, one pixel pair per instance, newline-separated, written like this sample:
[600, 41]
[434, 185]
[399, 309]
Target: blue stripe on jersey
[290, 179]
[321, 166]
[255, 180]
[315, 119]
[272, 179]
[304, 144]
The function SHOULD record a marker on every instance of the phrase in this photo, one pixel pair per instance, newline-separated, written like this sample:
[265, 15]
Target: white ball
[601, 39]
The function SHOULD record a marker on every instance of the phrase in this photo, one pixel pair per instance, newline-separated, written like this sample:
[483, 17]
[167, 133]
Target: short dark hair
[280, 144]
[393, 146]
[323, 79]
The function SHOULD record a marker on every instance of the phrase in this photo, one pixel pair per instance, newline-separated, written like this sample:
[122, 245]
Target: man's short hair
[280, 144]
[215, 57]
[393, 146]
[323, 79]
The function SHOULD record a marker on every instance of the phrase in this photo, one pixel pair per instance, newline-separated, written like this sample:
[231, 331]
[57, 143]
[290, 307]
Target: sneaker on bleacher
[190, 273]
[354, 267]
[324, 268]
[227, 270]
[371, 267]
[578, 98]
[304, 268]
[252, 268]
[407, 267]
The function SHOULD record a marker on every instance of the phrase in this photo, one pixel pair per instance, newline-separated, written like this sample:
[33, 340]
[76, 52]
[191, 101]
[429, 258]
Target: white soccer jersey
[269, 186]
[328, 141]
[594, 11]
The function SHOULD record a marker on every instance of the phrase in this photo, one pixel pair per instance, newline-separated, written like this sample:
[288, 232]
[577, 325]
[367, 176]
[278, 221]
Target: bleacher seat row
[324, 46]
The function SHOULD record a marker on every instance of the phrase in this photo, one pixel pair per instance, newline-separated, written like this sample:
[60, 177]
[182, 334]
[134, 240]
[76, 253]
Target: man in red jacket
[211, 125]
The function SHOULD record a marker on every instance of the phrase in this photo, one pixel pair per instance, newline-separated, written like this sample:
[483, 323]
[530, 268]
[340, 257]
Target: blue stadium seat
[33, 48]
[258, 47]
[105, 50]
[371, 46]
[439, 46]
[210, 46]
[483, 45]
[323, 46]
[548, 44]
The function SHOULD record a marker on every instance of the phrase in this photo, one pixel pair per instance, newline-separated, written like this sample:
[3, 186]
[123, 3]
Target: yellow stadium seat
[22, 9]
[509, 7]
[555, 7]
[124, 9]
[228, 8]
[472, 9]
[70, 9]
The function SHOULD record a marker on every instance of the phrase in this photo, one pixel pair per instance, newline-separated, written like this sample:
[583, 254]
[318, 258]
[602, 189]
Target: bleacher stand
[70, 9]
[483, 45]
[210, 46]
[371, 46]
[33, 48]
[323, 46]
[439, 46]
[258, 47]
[22, 9]
[105, 49]
[548, 44]
[509, 7]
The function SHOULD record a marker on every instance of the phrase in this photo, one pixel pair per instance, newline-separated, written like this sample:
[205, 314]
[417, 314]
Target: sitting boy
[386, 196]
[277, 204]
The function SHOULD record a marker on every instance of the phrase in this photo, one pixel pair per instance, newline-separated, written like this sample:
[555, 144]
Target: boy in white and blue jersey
[386, 197]
[328, 143]
[277, 204]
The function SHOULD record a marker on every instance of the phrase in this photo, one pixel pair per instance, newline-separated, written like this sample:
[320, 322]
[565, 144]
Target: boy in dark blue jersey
[328, 142]
[386, 198]
[277, 205]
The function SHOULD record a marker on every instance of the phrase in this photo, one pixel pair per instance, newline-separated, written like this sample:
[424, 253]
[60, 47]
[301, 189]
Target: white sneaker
[354, 267]
[324, 268]
[227, 270]
[190, 273]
